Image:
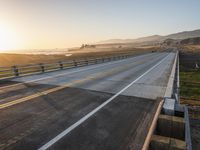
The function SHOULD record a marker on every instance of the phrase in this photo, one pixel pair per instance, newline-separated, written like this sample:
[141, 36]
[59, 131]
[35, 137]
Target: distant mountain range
[156, 38]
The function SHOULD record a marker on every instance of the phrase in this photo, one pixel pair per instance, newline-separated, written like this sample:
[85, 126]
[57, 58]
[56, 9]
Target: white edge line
[73, 126]
[75, 71]
[169, 88]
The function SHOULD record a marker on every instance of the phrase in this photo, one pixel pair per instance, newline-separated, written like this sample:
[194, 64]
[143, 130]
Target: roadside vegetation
[190, 84]
[190, 77]
[190, 73]
[190, 88]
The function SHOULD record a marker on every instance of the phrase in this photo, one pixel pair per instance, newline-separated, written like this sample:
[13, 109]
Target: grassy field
[190, 89]
[190, 84]
[189, 76]
[7, 60]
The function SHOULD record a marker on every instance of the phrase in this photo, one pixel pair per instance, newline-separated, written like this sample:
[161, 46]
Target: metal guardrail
[171, 106]
[21, 70]
[176, 96]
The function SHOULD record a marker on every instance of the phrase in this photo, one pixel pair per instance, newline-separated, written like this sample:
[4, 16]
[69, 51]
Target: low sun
[8, 39]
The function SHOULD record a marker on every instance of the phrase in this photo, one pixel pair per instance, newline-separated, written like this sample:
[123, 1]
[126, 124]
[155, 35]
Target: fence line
[15, 71]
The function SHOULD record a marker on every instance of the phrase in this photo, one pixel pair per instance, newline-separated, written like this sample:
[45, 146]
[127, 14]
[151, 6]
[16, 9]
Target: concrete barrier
[171, 126]
[166, 143]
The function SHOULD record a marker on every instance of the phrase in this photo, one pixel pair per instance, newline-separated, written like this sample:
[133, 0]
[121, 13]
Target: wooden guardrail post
[16, 71]
[42, 67]
[75, 63]
[60, 64]
[86, 61]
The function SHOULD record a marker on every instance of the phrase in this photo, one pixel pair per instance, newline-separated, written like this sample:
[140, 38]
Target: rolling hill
[156, 38]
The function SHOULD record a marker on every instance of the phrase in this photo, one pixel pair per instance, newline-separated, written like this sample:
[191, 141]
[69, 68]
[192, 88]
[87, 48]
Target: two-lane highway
[103, 106]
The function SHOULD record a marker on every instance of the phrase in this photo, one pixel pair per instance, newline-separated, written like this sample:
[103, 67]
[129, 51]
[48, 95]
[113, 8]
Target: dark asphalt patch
[7, 83]
[26, 89]
[121, 125]
[30, 124]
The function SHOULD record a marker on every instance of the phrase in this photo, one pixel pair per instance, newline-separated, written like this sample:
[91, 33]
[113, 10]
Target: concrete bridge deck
[103, 106]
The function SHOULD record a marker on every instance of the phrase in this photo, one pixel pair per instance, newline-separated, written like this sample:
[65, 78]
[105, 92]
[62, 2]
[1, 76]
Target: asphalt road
[106, 106]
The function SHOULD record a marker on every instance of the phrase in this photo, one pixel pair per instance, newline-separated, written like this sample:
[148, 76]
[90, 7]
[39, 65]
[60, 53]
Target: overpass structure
[126, 103]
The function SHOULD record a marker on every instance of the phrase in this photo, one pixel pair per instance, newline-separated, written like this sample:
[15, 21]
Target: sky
[43, 24]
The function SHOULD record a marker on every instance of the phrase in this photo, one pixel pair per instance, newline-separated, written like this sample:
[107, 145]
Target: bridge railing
[21, 70]
[172, 94]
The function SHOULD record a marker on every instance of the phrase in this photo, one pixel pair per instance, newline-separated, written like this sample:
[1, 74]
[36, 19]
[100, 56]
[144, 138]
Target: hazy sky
[66, 23]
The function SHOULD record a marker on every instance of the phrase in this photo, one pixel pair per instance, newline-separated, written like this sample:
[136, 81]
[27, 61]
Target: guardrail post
[16, 71]
[60, 64]
[75, 63]
[86, 62]
[42, 67]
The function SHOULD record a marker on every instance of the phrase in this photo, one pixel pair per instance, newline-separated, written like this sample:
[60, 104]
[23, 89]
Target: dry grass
[7, 60]
[191, 48]
[190, 89]
[190, 79]
[190, 102]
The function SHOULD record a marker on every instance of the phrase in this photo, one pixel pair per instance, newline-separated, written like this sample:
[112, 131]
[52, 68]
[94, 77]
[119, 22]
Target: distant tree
[82, 46]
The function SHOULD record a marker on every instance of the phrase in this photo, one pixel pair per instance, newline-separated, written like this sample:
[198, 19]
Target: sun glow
[8, 39]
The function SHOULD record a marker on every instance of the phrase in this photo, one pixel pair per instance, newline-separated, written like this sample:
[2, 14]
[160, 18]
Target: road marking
[169, 88]
[27, 98]
[83, 119]
[67, 73]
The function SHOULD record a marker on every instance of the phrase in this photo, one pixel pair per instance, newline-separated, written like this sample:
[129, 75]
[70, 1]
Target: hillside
[157, 38]
[190, 41]
[184, 35]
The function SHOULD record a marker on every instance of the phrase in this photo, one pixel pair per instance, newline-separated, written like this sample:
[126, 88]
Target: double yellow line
[36, 95]
[27, 98]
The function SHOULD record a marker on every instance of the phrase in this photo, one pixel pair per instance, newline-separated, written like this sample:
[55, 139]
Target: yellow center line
[30, 97]
[14, 102]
